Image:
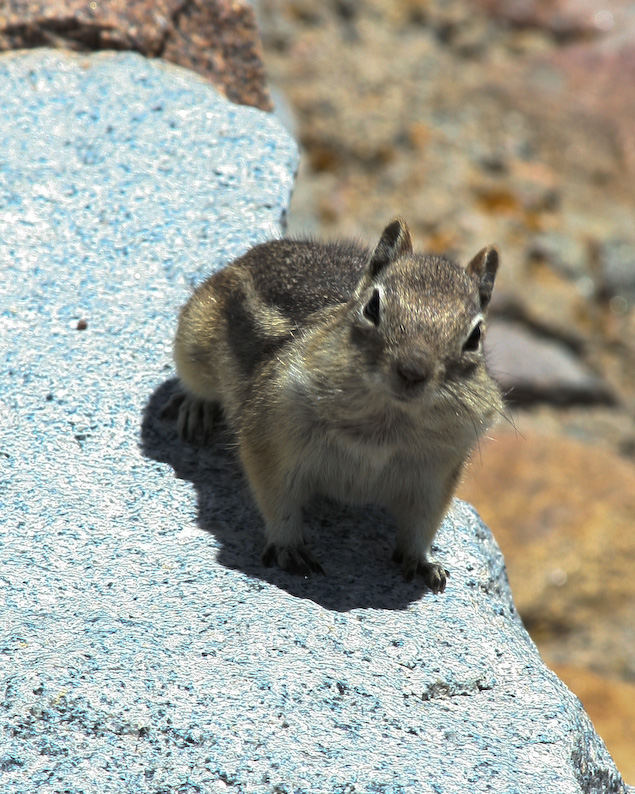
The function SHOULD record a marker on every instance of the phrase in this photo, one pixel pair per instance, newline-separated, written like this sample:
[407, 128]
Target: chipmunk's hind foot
[195, 418]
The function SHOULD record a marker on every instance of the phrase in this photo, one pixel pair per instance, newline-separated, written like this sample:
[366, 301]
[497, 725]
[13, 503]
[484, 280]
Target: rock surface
[145, 648]
[216, 38]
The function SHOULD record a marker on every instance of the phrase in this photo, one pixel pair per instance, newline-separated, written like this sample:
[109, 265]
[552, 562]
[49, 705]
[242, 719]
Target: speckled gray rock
[143, 647]
[530, 368]
[618, 269]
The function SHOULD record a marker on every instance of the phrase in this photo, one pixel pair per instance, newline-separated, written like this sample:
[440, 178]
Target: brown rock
[587, 86]
[220, 40]
[599, 79]
[563, 513]
[216, 38]
[565, 19]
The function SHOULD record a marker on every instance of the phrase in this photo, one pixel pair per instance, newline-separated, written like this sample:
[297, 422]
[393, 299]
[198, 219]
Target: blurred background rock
[513, 123]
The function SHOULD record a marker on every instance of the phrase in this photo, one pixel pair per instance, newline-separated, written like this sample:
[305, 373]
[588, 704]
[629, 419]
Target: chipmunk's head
[418, 321]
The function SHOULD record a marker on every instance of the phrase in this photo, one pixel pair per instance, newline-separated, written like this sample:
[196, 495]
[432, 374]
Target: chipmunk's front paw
[295, 559]
[194, 417]
[434, 575]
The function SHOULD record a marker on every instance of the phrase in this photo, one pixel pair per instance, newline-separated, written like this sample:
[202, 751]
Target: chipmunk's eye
[474, 339]
[371, 310]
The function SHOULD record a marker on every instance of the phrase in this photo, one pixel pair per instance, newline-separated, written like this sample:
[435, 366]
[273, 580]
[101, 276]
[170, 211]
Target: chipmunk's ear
[394, 242]
[483, 270]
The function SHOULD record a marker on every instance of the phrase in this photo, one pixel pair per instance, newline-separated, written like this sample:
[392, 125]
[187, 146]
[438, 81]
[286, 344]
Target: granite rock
[216, 38]
[144, 647]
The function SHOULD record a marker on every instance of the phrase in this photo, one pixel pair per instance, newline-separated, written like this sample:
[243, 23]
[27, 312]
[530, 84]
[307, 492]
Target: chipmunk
[358, 374]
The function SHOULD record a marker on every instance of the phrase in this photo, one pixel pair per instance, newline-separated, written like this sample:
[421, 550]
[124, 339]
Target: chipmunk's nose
[413, 373]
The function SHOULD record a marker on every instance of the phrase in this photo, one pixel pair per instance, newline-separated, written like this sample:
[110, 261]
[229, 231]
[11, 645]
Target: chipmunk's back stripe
[247, 337]
[308, 276]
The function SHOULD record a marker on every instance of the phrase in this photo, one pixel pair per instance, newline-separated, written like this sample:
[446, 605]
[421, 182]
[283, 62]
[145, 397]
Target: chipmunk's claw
[170, 410]
[195, 418]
